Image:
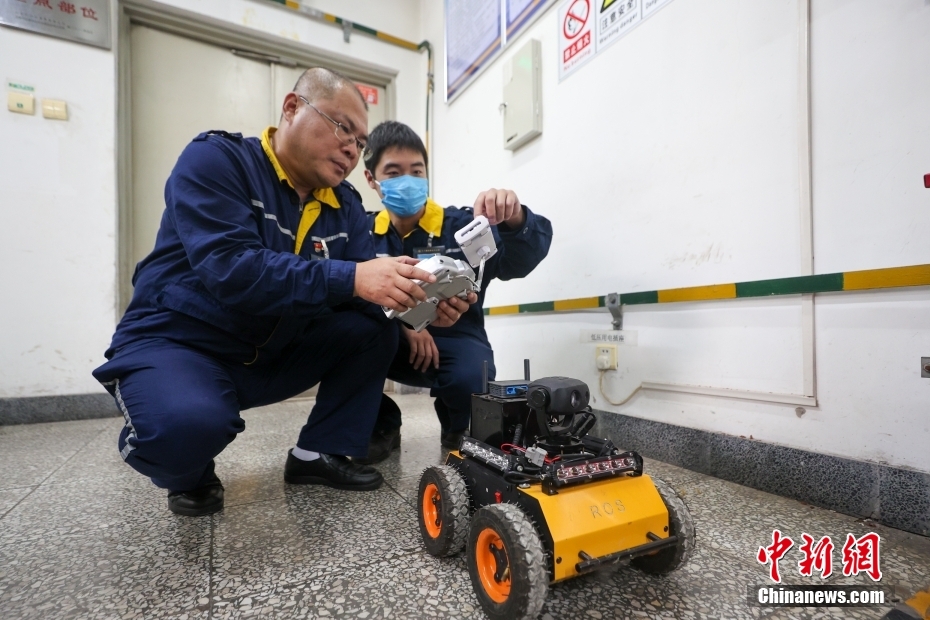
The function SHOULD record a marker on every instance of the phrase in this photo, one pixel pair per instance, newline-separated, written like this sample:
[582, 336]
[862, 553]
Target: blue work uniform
[246, 300]
[464, 346]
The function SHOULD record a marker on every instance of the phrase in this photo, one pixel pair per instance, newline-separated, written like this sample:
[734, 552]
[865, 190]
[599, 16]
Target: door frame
[213, 31]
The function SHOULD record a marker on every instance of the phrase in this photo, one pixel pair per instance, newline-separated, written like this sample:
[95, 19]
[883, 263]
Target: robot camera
[558, 395]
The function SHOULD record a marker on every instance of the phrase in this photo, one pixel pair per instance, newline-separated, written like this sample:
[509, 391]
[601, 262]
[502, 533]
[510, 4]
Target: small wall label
[613, 336]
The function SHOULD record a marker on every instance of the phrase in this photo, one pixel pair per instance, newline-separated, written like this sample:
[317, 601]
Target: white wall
[58, 181]
[671, 159]
[57, 236]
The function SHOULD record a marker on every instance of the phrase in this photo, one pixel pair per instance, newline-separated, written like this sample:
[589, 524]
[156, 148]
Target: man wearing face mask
[448, 360]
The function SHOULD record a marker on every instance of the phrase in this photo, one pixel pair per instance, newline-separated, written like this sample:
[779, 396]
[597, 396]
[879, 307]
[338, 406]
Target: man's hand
[500, 206]
[423, 350]
[389, 282]
[449, 310]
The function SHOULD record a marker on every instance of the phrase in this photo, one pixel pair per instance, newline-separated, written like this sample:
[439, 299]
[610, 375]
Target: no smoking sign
[575, 35]
[576, 18]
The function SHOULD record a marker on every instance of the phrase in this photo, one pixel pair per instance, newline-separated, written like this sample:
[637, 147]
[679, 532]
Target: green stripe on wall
[645, 297]
[889, 277]
[542, 306]
[791, 286]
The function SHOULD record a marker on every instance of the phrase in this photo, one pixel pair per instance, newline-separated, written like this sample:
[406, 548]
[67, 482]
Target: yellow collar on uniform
[430, 221]
[325, 195]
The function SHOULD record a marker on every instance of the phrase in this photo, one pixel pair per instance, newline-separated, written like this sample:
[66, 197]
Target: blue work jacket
[518, 251]
[240, 264]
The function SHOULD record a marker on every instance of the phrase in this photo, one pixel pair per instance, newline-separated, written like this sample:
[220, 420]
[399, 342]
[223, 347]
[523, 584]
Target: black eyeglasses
[342, 132]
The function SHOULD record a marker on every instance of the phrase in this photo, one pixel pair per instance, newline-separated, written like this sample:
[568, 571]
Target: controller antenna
[484, 377]
[526, 369]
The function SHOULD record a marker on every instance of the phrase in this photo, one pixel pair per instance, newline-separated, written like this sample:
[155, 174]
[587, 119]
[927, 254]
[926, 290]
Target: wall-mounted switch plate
[53, 108]
[925, 367]
[23, 103]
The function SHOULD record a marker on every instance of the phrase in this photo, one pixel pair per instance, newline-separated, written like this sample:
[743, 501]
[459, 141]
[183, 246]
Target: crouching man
[262, 283]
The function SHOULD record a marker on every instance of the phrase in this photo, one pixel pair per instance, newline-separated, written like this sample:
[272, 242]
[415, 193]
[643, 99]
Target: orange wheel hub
[493, 565]
[430, 506]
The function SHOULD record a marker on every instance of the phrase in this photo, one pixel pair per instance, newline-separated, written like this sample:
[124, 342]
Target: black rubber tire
[452, 510]
[529, 579]
[679, 524]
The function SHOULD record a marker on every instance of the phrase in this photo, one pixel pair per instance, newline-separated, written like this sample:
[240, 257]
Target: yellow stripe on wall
[577, 304]
[916, 275]
[397, 41]
[698, 293]
[504, 310]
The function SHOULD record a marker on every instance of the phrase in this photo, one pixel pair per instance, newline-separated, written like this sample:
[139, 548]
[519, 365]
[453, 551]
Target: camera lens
[576, 399]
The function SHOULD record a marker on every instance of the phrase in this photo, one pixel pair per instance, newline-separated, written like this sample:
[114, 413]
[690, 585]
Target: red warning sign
[575, 35]
[370, 93]
[576, 18]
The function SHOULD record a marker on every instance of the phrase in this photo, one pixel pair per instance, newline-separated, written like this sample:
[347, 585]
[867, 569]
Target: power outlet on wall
[925, 367]
[605, 356]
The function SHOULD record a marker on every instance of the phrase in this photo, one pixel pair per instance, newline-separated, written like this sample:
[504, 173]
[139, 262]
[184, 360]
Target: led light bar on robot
[594, 469]
[488, 455]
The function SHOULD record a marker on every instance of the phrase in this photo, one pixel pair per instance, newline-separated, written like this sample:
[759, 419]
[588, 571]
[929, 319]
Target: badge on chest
[426, 252]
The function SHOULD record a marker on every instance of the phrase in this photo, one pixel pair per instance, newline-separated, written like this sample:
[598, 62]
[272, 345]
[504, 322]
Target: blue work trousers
[181, 404]
[459, 375]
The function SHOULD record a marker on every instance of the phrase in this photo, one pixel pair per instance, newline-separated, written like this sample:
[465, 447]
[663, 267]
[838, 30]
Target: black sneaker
[452, 440]
[204, 500]
[380, 446]
[332, 470]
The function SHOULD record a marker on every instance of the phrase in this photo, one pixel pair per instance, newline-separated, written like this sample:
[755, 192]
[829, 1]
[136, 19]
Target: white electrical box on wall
[522, 105]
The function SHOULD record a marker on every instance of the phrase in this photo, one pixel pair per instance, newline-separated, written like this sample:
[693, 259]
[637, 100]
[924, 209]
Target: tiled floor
[84, 536]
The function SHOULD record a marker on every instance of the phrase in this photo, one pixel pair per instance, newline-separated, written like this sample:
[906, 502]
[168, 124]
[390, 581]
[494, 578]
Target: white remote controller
[477, 241]
[453, 278]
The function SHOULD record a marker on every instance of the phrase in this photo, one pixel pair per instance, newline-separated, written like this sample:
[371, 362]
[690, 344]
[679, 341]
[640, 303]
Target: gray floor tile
[307, 535]
[419, 417]
[252, 467]
[407, 488]
[10, 497]
[413, 456]
[30, 453]
[59, 509]
[283, 419]
[133, 570]
[30, 466]
[98, 459]
[675, 476]
[409, 586]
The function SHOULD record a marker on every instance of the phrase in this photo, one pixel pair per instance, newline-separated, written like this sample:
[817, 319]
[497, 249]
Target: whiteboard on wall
[477, 31]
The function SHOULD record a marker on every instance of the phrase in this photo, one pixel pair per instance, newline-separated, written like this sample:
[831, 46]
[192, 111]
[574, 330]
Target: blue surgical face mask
[404, 195]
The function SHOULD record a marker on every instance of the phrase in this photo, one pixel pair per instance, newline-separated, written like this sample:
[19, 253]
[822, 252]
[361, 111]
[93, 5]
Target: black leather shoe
[380, 446]
[332, 470]
[452, 440]
[204, 500]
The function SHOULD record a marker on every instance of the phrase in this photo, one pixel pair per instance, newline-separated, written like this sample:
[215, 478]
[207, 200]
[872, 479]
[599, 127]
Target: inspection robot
[530, 495]
[534, 499]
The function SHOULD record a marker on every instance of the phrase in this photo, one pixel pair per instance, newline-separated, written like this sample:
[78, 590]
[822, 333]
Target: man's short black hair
[391, 134]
